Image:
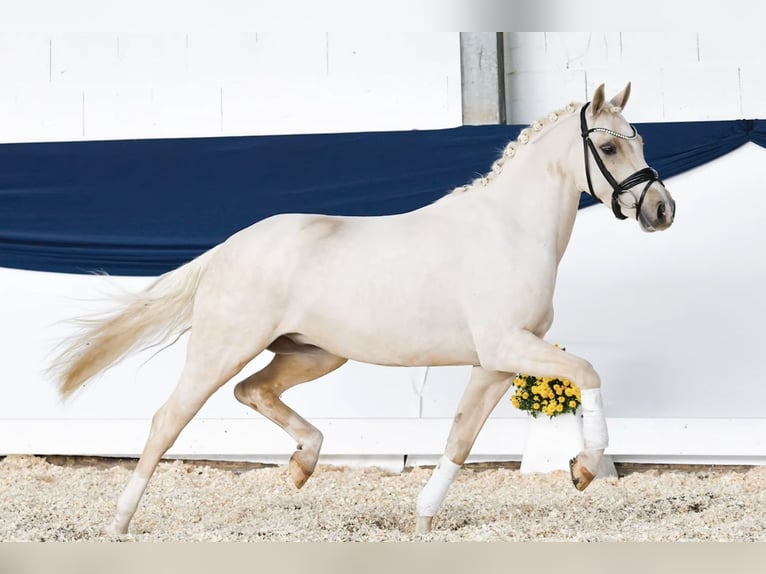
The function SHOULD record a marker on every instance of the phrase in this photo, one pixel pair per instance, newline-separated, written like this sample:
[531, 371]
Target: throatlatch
[648, 174]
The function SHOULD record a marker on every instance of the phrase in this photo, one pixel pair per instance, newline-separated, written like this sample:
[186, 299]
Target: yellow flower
[548, 395]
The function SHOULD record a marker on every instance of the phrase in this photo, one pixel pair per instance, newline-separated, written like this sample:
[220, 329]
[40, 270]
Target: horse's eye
[609, 148]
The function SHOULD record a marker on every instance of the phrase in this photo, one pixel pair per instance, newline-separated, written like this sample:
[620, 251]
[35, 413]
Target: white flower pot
[551, 442]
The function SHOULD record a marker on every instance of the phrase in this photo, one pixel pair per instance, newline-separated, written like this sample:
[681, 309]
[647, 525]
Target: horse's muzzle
[658, 210]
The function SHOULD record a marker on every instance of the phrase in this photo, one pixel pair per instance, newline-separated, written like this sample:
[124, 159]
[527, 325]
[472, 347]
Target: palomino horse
[467, 280]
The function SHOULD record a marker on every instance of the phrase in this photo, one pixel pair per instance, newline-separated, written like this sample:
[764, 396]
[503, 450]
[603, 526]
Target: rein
[648, 174]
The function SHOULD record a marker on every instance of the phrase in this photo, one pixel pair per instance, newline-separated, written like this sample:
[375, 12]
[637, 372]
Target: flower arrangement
[549, 396]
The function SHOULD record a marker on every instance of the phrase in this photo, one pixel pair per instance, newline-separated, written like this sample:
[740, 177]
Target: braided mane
[525, 136]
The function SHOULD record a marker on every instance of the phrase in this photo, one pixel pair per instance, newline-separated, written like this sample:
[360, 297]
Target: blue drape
[142, 207]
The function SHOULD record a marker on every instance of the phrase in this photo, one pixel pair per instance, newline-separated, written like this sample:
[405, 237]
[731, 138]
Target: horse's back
[407, 289]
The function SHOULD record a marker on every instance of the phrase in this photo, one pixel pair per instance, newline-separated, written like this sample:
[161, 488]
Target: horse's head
[615, 171]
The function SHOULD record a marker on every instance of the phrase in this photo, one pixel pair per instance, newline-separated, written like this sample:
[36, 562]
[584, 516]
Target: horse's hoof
[423, 524]
[581, 476]
[300, 468]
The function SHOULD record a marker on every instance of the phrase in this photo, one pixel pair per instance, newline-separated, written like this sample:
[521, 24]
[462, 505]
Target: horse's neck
[536, 189]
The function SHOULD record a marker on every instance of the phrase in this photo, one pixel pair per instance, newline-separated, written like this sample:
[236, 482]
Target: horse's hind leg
[210, 362]
[262, 391]
[480, 397]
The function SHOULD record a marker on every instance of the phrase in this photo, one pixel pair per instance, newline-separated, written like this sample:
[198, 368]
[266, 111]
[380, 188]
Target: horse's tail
[160, 313]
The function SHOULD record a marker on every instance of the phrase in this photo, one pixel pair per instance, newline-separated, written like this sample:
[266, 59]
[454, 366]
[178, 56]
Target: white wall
[673, 320]
[74, 86]
[684, 328]
[679, 76]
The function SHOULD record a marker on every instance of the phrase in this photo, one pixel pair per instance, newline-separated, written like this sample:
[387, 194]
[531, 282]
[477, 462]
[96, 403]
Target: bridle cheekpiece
[646, 175]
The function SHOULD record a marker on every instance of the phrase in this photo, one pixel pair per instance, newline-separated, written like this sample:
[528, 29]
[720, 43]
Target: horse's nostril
[660, 211]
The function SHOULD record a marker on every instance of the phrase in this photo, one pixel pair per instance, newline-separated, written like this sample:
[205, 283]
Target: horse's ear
[621, 99]
[598, 101]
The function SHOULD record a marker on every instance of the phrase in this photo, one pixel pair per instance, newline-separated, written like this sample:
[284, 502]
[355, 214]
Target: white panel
[225, 57]
[187, 111]
[527, 52]
[24, 59]
[357, 390]
[442, 391]
[266, 107]
[291, 54]
[753, 85]
[339, 104]
[149, 60]
[126, 111]
[34, 113]
[241, 438]
[532, 95]
[584, 50]
[716, 47]
[136, 111]
[701, 92]
[660, 49]
[391, 54]
[84, 59]
[709, 441]
[34, 307]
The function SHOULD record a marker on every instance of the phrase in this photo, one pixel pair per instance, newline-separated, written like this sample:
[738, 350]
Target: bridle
[647, 174]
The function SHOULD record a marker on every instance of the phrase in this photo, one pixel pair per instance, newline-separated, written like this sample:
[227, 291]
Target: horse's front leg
[483, 392]
[524, 352]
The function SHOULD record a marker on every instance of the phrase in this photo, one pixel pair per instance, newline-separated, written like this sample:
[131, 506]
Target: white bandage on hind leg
[595, 435]
[431, 497]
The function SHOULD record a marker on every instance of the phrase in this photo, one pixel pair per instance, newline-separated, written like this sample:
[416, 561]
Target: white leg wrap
[127, 504]
[431, 497]
[595, 435]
